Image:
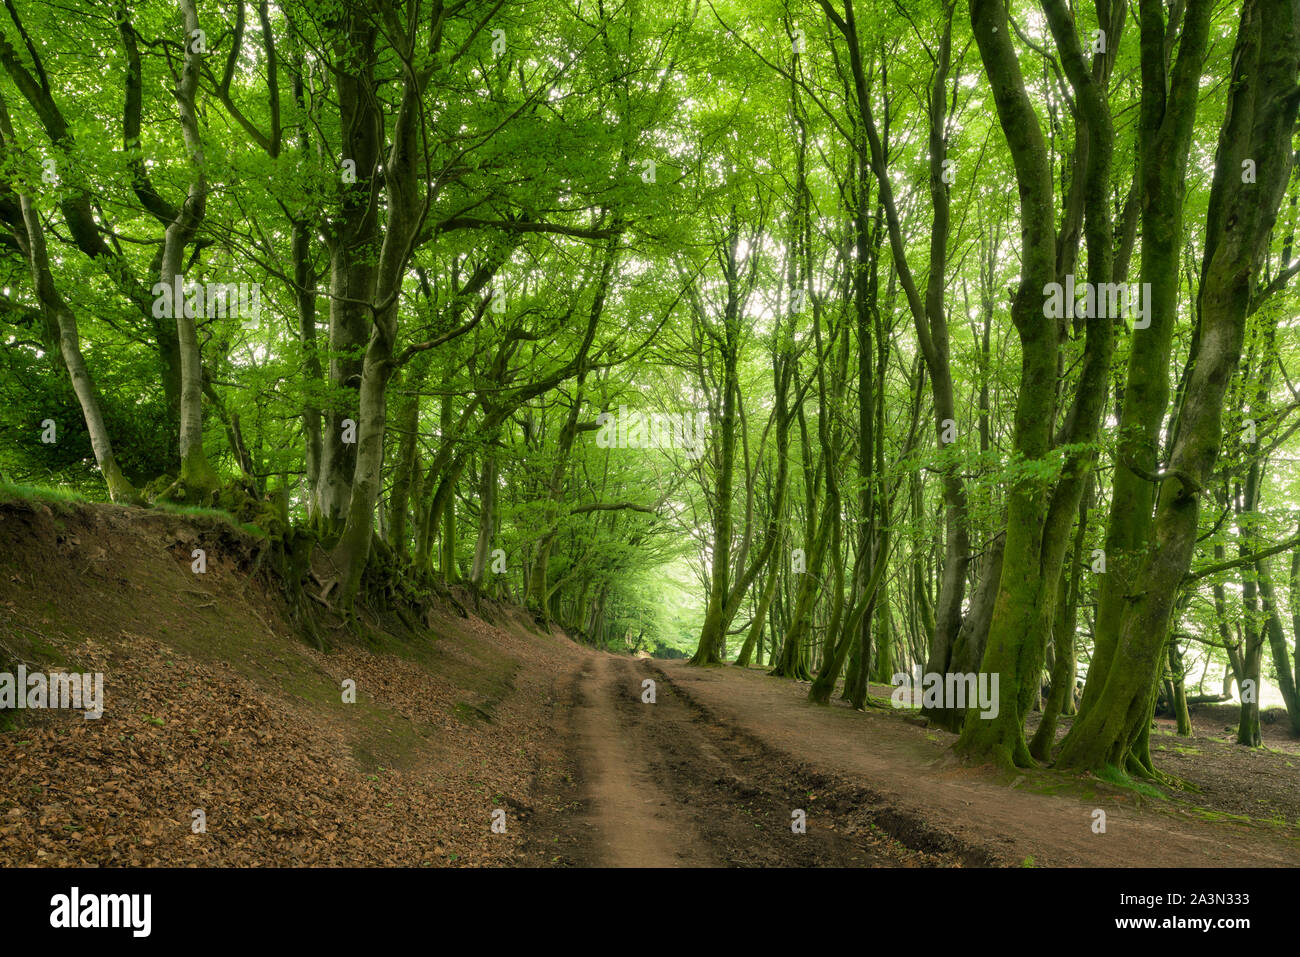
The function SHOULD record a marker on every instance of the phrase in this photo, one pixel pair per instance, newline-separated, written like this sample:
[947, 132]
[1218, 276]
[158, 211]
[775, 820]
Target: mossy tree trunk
[1166, 121]
[353, 237]
[487, 496]
[1063, 640]
[197, 478]
[1039, 523]
[1177, 677]
[1258, 125]
[406, 467]
[406, 197]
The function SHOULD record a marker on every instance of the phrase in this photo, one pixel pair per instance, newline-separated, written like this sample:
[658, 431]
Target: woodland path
[712, 771]
[660, 785]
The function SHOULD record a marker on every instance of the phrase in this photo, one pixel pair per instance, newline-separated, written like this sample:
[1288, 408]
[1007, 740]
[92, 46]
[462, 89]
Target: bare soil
[663, 784]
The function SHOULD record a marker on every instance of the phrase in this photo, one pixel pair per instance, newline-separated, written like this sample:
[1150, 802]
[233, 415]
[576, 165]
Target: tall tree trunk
[407, 466]
[405, 193]
[1166, 124]
[304, 278]
[197, 478]
[1258, 126]
[352, 238]
[54, 306]
[1062, 689]
[929, 316]
[487, 494]
[1018, 619]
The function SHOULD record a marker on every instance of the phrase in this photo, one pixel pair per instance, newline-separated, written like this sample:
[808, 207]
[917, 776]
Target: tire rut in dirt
[605, 808]
[846, 808]
[728, 790]
[559, 831]
[740, 796]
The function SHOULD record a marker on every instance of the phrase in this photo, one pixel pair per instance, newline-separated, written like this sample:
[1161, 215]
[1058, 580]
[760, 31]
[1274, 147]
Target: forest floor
[212, 704]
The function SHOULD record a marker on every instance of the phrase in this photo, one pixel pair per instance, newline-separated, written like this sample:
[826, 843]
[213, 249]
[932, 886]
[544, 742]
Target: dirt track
[660, 785]
[711, 772]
